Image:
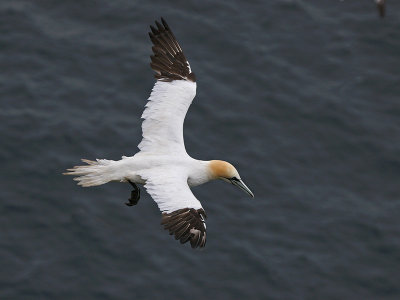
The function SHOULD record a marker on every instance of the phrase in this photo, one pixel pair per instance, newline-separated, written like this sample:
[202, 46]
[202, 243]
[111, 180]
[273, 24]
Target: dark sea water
[302, 96]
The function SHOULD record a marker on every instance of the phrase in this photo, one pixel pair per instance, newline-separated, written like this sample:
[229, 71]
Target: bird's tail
[94, 173]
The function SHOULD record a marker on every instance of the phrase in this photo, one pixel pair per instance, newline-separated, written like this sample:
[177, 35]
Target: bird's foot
[135, 195]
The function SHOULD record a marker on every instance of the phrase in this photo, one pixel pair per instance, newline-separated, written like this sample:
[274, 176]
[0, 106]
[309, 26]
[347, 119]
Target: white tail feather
[94, 173]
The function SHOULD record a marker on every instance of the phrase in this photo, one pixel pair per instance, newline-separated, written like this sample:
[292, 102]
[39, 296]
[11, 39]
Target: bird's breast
[195, 181]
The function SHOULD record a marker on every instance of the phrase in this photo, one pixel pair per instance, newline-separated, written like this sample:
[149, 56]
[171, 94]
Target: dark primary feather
[168, 60]
[187, 224]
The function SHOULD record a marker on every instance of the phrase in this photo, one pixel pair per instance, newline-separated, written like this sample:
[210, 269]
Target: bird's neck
[200, 173]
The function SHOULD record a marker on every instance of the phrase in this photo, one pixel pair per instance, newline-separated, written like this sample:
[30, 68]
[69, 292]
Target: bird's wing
[171, 96]
[182, 214]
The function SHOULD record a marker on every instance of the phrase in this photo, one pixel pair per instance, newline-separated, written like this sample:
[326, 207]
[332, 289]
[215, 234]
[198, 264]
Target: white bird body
[162, 165]
[131, 168]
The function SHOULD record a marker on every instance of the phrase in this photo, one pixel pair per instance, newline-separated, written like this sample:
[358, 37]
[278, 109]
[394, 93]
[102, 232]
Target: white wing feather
[164, 116]
[169, 189]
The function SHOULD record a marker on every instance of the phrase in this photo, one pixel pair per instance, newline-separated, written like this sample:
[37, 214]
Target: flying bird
[381, 7]
[162, 165]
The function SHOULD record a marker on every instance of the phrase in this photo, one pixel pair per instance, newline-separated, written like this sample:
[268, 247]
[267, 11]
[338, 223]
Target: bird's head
[225, 171]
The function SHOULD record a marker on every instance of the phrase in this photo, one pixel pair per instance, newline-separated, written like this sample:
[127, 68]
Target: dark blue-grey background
[302, 96]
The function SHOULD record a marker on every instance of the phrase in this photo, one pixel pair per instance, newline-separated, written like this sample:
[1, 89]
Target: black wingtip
[164, 23]
[159, 26]
[187, 225]
[171, 64]
[153, 29]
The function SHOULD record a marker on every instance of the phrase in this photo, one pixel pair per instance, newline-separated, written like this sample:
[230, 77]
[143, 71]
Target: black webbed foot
[135, 195]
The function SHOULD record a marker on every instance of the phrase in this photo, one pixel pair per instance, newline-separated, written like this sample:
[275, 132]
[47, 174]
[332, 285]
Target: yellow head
[223, 170]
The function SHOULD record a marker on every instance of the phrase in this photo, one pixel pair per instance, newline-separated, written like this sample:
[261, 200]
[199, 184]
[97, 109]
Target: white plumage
[164, 116]
[169, 188]
[162, 165]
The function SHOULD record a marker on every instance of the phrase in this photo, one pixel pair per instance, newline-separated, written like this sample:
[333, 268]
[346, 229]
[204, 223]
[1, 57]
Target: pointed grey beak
[240, 184]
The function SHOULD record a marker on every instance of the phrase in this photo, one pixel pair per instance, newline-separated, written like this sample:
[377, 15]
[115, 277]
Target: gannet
[162, 165]
[381, 7]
